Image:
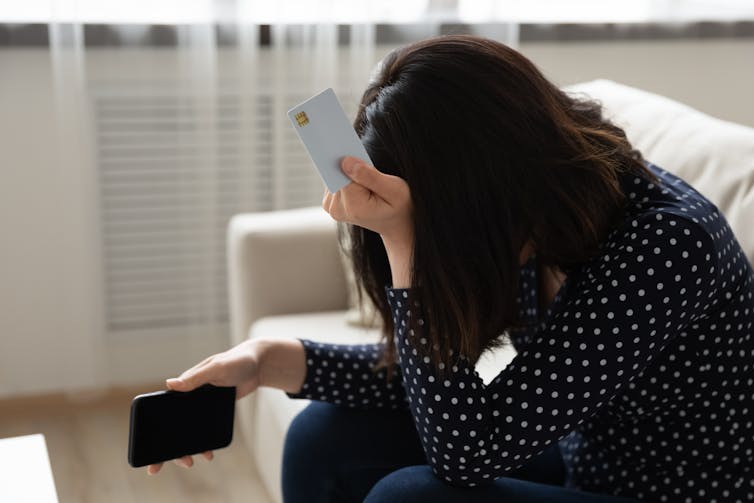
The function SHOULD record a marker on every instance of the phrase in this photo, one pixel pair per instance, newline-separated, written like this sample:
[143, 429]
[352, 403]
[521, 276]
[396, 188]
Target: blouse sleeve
[343, 374]
[527, 301]
[617, 314]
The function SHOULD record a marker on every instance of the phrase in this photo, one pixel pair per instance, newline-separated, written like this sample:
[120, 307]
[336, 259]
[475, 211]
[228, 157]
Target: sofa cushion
[715, 156]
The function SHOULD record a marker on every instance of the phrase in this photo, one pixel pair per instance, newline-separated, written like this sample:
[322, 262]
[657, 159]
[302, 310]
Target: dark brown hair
[495, 155]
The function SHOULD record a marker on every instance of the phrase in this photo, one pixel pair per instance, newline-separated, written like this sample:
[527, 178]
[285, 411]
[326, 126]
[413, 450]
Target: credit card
[328, 136]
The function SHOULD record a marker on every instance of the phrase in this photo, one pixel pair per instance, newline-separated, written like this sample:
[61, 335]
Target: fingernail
[173, 380]
[350, 168]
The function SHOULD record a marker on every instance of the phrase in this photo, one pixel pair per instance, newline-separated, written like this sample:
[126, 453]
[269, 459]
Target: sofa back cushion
[715, 156]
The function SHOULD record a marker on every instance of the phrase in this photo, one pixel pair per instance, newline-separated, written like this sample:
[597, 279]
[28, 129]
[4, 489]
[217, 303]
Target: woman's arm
[399, 249]
[282, 363]
[301, 368]
[337, 373]
[607, 331]
[342, 374]
[241, 366]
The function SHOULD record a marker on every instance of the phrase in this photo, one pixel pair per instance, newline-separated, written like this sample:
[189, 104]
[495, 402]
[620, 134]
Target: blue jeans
[336, 454]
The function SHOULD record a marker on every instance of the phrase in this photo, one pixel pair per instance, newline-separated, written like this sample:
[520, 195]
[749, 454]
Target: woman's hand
[375, 201]
[238, 366]
[380, 203]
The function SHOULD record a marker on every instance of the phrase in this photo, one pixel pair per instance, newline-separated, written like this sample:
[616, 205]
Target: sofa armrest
[282, 262]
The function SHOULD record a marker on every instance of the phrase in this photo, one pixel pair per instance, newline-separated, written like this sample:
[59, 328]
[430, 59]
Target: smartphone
[169, 424]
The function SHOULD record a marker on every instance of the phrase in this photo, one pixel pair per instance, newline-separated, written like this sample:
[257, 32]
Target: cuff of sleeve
[313, 357]
[399, 296]
[399, 301]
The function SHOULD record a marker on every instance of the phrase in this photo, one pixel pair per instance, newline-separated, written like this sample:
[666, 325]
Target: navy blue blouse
[641, 367]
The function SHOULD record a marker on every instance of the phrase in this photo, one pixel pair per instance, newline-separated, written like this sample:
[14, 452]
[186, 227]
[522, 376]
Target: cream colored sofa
[287, 279]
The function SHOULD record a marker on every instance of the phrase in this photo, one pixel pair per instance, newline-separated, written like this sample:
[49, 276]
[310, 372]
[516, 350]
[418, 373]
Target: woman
[503, 204]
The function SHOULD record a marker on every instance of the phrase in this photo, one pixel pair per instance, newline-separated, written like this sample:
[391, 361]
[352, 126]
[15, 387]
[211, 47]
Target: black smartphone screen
[169, 424]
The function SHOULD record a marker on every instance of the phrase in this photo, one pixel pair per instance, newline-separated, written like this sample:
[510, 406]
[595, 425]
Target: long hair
[495, 155]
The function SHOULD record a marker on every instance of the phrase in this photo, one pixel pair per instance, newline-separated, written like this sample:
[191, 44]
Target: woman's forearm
[399, 254]
[282, 363]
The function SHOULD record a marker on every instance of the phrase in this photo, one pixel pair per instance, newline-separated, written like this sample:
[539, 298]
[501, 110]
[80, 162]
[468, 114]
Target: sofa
[287, 278]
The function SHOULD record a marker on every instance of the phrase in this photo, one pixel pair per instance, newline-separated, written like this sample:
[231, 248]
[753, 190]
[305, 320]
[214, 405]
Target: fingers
[364, 174]
[327, 201]
[192, 378]
[337, 204]
[373, 201]
[152, 469]
[336, 209]
[387, 187]
[185, 461]
[332, 204]
[182, 383]
[177, 384]
[361, 173]
[203, 362]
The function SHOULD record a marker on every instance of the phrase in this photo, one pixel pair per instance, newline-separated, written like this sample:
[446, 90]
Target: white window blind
[173, 168]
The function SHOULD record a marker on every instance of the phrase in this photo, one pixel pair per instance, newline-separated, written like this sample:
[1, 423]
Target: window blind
[173, 168]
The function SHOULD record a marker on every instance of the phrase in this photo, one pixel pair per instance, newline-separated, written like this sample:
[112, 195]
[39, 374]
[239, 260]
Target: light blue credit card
[328, 136]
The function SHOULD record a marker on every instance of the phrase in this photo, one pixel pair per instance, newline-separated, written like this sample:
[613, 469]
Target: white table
[25, 473]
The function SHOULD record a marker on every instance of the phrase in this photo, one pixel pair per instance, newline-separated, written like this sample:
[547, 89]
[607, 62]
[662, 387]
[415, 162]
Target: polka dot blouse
[641, 368]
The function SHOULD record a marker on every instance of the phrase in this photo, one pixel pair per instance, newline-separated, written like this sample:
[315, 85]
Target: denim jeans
[336, 454]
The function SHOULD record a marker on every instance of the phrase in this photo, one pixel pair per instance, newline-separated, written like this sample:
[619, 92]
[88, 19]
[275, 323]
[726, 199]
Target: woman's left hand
[375, 201]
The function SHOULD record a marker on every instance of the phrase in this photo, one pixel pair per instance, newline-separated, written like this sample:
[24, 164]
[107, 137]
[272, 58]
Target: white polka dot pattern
[344, 375]
[641, 367]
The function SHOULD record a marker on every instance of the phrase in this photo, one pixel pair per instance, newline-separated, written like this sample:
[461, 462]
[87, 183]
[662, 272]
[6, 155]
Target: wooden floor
[87, 440]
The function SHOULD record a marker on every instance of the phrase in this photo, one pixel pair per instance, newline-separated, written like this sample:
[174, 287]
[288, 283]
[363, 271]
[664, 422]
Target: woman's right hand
[238, 366]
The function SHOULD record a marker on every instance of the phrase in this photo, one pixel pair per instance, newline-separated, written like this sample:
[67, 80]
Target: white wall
[45, 337]
[51, 321]
[715, 76]
[51, 307]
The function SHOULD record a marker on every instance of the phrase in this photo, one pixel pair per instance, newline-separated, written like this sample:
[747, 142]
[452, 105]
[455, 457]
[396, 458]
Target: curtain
[171, 130]
[168, 129]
